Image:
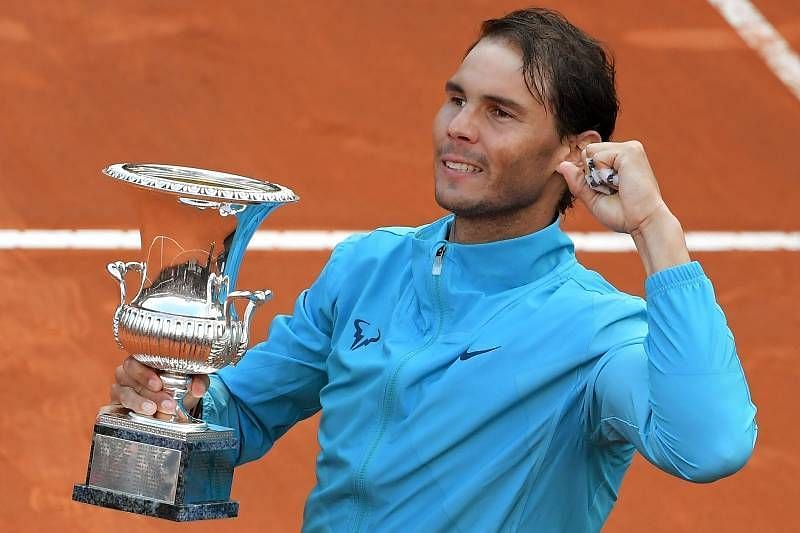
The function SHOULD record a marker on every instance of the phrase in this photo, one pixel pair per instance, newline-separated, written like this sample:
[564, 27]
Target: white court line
[295, 240]
[762, 37]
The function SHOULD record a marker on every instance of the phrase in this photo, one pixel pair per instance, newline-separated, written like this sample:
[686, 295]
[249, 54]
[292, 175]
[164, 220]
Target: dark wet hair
[566, 70]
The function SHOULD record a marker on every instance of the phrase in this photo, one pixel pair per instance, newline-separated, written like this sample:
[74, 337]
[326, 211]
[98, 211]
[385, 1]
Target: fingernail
[149, 406]
[168, 405]
[154, 384]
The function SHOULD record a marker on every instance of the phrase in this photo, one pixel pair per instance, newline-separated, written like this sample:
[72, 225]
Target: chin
[462, 207]
[483, 208]
[448, 200]
[459, 200]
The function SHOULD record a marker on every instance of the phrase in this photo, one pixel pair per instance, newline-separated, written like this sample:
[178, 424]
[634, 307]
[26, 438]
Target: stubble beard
[486, 209]
[505, 206]
[500, 206]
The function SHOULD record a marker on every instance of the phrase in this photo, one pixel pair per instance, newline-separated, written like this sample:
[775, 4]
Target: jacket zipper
[389, 393]
[438, 260]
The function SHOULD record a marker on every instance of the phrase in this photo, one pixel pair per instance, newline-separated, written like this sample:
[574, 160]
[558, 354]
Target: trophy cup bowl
[194, 226]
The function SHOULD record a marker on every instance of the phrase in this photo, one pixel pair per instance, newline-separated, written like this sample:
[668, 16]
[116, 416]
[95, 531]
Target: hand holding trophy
[181, 322]
[139, 388]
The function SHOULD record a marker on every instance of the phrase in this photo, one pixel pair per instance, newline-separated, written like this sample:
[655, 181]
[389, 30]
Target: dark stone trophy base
[155, 471]
[144, 506]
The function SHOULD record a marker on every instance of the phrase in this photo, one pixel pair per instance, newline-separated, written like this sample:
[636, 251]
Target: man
[472, 375]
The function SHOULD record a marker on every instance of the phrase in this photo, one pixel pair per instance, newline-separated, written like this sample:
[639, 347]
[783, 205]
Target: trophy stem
[177, 385]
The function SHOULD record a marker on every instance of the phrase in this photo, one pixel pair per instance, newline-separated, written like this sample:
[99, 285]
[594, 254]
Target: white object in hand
[603, 180]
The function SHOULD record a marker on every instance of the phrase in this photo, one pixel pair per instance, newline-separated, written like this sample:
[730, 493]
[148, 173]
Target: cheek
[519, 168]
[536, 153]
[509, 159]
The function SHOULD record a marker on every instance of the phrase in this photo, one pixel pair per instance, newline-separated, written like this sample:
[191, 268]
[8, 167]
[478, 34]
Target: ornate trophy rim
[201, 184]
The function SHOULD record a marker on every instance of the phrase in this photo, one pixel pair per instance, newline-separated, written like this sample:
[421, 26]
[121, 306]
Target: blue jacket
[489, 387]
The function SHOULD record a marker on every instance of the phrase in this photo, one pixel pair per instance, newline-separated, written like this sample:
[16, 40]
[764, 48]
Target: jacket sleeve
[670, 382]
[278, 381]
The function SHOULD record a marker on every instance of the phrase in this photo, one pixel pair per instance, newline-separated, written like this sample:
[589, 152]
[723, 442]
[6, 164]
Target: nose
[462, 126]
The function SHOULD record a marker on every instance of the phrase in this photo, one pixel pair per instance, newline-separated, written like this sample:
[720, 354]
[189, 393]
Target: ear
[577, 143]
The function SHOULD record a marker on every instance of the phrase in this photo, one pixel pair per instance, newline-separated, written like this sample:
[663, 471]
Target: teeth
[461, 167]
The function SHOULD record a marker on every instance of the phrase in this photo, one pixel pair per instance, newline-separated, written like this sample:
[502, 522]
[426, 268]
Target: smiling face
[495, 147]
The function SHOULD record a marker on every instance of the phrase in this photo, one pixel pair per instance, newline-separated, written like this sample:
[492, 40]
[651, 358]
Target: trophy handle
[255, 299]
[216, 289]
[118, 270]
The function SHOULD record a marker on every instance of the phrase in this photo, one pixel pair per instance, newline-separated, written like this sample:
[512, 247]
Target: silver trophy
[194, 225]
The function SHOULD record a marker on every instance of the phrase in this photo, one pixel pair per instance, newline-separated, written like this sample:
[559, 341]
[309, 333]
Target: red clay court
[335, 100]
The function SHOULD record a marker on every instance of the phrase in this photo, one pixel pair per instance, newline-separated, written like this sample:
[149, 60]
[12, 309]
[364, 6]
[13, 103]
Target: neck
[498, 227]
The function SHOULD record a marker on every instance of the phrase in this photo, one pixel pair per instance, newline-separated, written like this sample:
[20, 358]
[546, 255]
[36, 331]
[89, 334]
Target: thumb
[199, 385]
[576, 182]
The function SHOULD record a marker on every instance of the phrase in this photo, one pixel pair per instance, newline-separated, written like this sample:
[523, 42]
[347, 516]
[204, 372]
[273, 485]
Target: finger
[605, 158]
[197, 389]
[142, 374]
[199, 386]
[127, 397]
[571, 173]
[168, 406]
[115, 394]
[592, 148]
[162, 399]
[125, 379]
[576, 181]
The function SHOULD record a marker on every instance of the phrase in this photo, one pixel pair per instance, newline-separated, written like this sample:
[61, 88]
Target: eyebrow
[453, 87]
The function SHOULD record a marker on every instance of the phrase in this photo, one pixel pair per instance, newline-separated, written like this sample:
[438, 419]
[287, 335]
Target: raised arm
[678, 394]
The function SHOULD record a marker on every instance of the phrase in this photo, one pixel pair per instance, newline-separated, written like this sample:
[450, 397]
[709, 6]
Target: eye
[457, 100]
[500, 113]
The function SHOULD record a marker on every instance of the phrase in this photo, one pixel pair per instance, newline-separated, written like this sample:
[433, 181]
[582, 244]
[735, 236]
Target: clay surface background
[336, 99]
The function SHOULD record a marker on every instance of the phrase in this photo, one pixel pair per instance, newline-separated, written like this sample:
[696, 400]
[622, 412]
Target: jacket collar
[494, 266]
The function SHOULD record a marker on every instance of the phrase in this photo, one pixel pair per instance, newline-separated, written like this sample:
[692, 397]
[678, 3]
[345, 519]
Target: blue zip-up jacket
[489, 387]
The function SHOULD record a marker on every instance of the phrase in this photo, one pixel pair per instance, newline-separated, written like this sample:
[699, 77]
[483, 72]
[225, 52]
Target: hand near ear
[637, 209]
[639, 197]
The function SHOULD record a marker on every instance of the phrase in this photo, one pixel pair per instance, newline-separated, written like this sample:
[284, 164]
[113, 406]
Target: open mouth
[460, 166]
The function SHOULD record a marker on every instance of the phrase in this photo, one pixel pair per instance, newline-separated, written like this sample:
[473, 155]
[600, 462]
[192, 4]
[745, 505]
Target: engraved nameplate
[135, 468]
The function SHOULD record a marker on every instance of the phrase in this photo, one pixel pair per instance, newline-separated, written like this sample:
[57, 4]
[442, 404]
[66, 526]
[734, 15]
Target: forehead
[494, 66]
